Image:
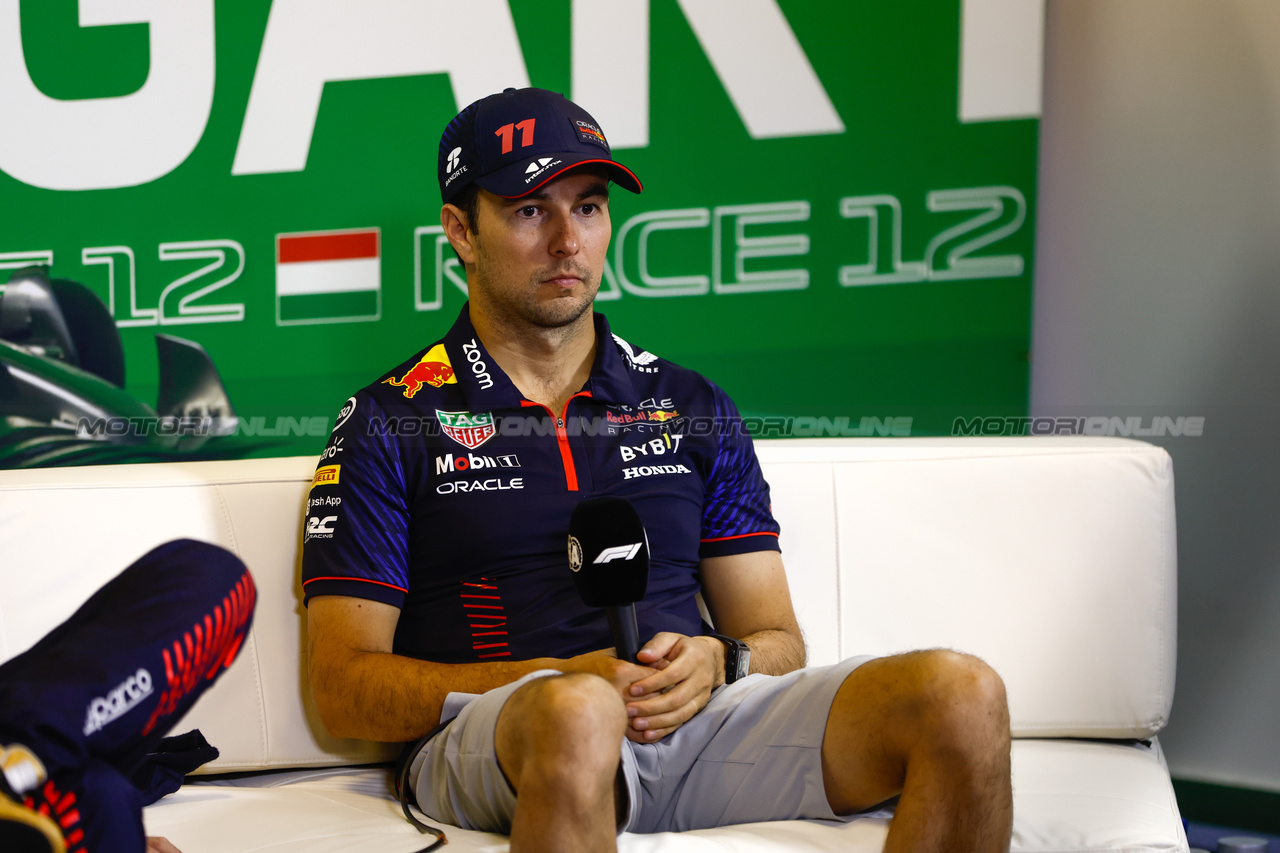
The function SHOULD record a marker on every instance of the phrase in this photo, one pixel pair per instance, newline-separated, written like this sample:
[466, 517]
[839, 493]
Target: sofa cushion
[1069, 797]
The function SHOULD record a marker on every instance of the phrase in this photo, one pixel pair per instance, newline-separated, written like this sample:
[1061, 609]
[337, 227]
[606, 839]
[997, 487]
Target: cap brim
[514, 181]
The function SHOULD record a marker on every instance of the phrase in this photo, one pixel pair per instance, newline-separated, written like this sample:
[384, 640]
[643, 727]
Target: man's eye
[529, 211]
[590, 208]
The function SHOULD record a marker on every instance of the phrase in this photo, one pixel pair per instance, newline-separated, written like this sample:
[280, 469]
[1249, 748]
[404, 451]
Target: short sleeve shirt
[445, 493]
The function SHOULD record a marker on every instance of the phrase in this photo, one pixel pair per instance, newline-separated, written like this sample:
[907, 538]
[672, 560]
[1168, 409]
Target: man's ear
[460, 235]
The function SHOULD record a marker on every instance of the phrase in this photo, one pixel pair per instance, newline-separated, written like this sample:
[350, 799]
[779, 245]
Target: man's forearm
[775, 652]
[388, 697]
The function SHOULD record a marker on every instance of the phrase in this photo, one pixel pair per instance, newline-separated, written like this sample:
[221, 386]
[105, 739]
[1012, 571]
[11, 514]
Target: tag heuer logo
[467, 429]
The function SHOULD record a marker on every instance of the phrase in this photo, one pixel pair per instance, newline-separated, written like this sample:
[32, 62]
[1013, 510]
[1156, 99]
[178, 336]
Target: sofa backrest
[1053, 559]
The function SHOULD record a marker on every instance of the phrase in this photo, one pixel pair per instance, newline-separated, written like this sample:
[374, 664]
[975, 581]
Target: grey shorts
[753, 754]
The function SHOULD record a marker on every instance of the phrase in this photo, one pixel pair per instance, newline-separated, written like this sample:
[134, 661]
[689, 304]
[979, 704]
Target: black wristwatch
[737, 658]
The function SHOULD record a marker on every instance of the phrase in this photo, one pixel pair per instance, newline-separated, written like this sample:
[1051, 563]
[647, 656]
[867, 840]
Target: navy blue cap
[514, 142]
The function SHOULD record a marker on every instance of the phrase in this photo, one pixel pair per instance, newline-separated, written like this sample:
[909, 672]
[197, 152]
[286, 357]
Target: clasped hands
[672, 682]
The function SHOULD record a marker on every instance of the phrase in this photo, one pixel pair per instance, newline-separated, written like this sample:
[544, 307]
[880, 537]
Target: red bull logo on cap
[588, 132]
[432, 369]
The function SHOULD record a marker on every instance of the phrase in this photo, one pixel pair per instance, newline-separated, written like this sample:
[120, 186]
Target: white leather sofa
[1053, 559]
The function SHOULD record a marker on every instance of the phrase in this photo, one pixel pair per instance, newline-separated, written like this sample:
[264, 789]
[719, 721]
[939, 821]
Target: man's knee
[953, 699]
[926, 697]
[574, 720]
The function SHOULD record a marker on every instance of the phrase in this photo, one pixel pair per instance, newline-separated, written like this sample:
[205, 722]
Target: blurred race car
[62, 397]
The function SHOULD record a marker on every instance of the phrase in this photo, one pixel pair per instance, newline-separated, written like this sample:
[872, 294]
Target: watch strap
[737, 658]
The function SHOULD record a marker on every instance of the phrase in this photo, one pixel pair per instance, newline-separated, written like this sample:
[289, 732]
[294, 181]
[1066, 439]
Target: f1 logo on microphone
[618, 552]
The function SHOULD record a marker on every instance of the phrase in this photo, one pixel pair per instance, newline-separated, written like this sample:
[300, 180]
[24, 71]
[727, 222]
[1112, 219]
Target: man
[434, 563]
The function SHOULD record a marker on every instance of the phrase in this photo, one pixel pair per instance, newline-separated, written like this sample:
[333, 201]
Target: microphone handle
[626, 635]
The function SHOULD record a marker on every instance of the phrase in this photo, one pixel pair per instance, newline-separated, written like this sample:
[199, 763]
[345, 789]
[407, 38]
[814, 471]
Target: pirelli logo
[326, 476]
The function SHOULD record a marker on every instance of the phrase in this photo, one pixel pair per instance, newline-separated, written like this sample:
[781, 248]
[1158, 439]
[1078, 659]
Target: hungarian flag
[328, 276]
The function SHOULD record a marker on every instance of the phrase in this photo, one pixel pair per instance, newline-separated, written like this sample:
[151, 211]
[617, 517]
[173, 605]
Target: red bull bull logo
[663, 416]
[432, 369]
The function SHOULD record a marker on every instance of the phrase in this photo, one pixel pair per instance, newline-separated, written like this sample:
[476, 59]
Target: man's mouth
[564, 279]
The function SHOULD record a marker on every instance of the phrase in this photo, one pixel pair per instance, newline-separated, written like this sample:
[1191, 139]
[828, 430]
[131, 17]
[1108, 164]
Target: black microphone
[609, 556]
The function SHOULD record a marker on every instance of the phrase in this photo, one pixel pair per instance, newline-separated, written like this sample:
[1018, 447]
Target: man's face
[538, 259]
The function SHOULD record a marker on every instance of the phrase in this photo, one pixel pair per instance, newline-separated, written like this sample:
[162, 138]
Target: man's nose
[564, 242]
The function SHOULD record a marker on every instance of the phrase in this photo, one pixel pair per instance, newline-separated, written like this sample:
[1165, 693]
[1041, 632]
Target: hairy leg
[558, 741]
[932, 726]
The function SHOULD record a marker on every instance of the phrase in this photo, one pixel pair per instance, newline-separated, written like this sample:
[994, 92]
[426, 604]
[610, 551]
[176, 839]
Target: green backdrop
[882, 271]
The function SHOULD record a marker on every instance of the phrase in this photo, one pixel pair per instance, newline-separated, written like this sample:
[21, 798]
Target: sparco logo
[650, 470]
[478, 367]
[472, 462]
[118, 702]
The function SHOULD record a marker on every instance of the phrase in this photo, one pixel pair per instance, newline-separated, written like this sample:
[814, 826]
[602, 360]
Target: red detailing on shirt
[562, 438]
[60, 807]
[205, 650]
[483, 624]
[741, 536]
[362, 580]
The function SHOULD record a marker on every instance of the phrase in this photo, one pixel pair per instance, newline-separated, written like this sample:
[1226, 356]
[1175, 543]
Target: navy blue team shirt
[447, 494]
